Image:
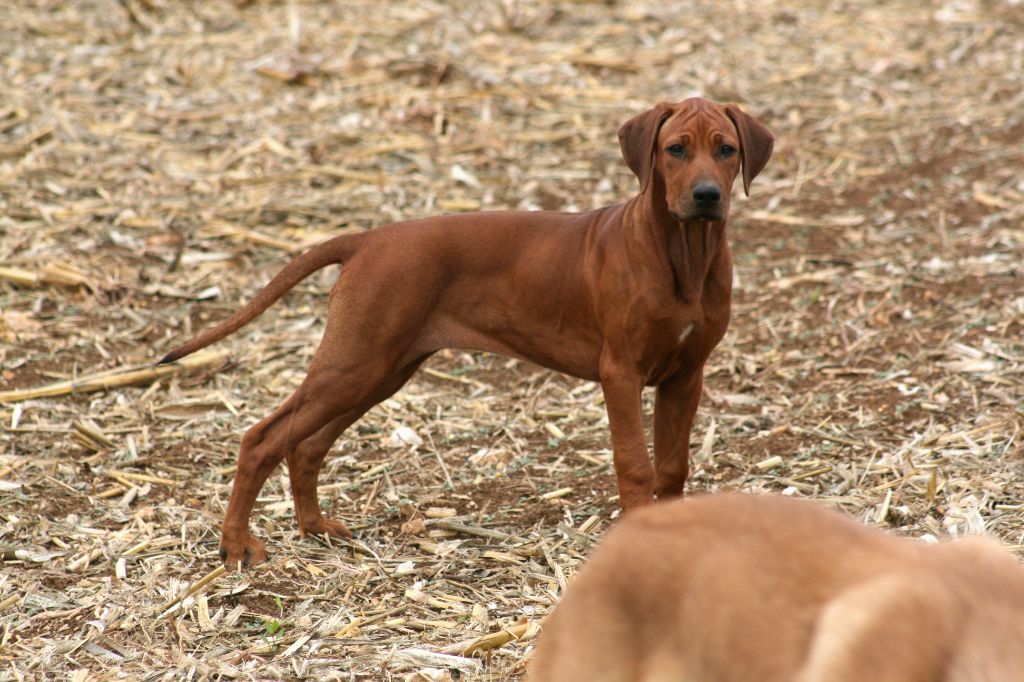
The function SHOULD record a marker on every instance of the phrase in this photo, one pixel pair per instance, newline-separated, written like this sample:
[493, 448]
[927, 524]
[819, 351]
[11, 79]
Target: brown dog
[734, 588]
[632, 295]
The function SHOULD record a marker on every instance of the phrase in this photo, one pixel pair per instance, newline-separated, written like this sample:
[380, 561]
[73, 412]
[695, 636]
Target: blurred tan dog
[749, 588]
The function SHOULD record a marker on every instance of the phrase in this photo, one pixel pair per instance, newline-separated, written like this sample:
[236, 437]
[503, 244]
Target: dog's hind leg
[306, 460]
[333, 389]
[304, 464]
[373, 342]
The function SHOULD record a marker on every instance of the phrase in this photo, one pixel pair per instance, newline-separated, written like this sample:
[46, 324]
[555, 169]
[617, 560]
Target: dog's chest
[683, 345]
[684, 334]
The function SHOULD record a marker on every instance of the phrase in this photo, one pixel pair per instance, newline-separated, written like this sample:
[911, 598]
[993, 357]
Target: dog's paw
[328, 527]
[242, 554]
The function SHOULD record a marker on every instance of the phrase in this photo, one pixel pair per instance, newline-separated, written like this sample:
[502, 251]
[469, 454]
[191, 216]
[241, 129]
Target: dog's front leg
[674, 410]
[622, 386]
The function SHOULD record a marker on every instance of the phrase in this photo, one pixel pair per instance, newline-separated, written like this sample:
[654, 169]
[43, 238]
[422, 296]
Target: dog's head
[693, 150]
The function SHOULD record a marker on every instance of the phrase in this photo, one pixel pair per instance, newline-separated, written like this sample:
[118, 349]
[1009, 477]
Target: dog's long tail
[320, 256]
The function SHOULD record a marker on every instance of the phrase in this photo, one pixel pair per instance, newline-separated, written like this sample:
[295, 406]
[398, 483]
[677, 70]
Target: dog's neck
[690, 248]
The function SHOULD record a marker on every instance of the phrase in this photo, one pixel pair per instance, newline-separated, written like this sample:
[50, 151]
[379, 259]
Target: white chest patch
[686, 332]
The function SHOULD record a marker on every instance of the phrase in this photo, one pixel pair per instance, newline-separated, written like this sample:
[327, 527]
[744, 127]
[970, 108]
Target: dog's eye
[677, 150]
[726, 150]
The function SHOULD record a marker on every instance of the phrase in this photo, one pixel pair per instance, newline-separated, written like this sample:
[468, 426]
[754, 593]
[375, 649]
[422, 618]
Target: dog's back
[740, 587]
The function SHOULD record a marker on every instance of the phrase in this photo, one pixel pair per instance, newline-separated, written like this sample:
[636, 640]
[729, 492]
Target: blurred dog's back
[737, 588]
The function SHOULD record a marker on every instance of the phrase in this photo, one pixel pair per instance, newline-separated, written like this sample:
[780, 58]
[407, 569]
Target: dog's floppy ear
[638, 137]
[756, 144]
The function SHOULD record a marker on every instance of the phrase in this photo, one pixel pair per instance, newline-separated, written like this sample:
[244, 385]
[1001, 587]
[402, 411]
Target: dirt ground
[160, 160]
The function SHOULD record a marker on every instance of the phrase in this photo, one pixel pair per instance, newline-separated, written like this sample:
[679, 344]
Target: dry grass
[160, 159]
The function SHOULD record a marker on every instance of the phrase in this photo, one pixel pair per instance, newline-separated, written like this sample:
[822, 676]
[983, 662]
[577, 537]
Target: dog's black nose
[706, 194]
